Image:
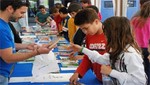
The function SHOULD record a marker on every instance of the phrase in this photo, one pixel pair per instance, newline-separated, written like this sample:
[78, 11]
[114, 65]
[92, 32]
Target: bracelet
[37, 52]
[81, 50]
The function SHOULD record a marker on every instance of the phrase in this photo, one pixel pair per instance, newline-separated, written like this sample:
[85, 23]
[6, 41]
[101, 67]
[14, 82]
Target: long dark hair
[119, 34]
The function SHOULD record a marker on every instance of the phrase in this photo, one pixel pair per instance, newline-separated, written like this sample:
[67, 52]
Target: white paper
[68, 68]
[20, 79]
[63, 77]
[45, 64]
[29, 36]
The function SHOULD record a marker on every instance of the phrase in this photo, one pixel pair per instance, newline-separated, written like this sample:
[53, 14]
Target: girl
[124, 55]
[141, 25]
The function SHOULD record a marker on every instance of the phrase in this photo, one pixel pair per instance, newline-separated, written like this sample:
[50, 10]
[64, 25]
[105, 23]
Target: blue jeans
[3, 80]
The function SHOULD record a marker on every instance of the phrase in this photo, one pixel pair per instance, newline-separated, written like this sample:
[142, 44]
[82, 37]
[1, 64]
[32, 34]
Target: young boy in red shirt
[88, 21]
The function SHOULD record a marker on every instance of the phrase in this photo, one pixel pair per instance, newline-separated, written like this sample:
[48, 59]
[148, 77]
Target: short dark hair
[86, 1]
[41, 7]
[74, 7]
[63, 10]
[14, 3]
[143, 1]
[85, 16]
[58, 5]
[93, 7]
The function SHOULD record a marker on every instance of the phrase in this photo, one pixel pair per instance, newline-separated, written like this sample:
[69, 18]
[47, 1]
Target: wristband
[81, 50]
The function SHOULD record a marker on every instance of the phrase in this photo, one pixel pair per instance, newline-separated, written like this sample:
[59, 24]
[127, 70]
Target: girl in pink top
[141, 28]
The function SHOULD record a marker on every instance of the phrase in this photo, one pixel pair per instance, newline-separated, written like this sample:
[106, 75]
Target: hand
[71, 56]
[77, 57]
[44, 49]
[31, 46]
[74, 78]
[75, 48]
[106, 69]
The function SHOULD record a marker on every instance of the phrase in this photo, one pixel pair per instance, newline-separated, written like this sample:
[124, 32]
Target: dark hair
[86, 1]
[14, 3]
[58, 5]
[85, 16]
[74, 7]
[93, 7]
[119, 34]
[143, 1]
[41, 7]
[63, 10]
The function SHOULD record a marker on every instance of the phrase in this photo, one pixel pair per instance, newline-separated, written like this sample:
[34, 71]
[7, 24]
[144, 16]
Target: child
[88, 21]
[141, 29]
[79, 36]
[124, 57]
[63, 12]
[72, 28]
[57, 18]
[86, 4]
[41, 17]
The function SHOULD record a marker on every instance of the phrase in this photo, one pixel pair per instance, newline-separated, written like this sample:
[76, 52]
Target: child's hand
[75, 48]
[74, 78]
[106, 69]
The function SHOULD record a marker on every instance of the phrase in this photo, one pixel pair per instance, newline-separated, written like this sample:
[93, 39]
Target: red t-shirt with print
[93, 42]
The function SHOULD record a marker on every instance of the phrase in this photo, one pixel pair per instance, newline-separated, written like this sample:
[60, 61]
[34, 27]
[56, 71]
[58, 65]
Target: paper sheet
[62, 77]
[20, 79]
[64, 69]
[45, 64]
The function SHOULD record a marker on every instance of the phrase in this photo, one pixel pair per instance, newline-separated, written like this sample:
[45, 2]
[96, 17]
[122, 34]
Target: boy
[72, 28]
[41, 17]
[85, 3]
[88, 21]
[63, 12]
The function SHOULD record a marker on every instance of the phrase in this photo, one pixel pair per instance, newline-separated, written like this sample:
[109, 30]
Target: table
[25, 69]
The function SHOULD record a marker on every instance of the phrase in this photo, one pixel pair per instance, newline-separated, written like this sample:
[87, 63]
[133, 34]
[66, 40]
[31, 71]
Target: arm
[9, 57]
[135, 71]
[94, 56]
[84, 66]
[20, 46]
[36, 20]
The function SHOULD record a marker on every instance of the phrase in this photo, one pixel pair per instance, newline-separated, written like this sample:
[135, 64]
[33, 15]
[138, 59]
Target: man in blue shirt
[13, 9]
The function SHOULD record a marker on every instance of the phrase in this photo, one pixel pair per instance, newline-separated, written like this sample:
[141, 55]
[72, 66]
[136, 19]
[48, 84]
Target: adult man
[13, 9]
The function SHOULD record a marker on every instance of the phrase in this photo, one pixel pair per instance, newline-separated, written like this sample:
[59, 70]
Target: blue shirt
[6, 41]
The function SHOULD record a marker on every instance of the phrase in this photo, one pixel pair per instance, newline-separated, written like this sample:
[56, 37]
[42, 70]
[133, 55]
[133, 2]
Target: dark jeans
[146, 63]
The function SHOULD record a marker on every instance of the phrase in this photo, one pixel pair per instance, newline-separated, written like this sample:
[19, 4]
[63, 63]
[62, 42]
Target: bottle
[106, 80]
